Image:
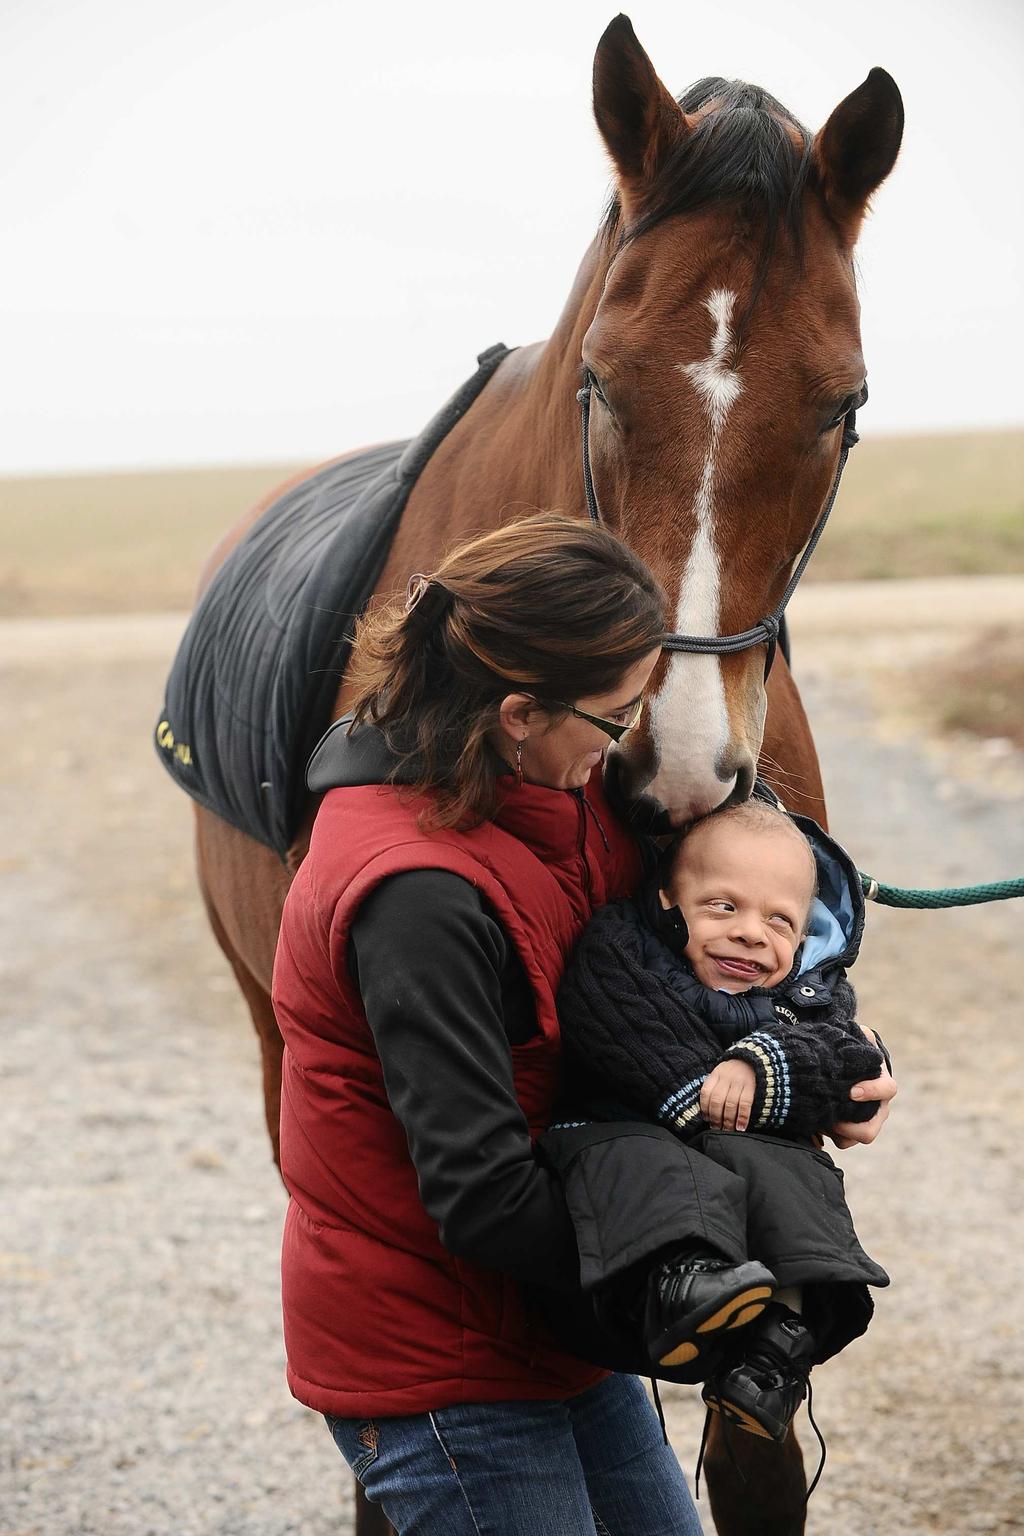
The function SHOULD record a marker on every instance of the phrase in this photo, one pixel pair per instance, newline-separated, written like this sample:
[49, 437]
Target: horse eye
[851, 403]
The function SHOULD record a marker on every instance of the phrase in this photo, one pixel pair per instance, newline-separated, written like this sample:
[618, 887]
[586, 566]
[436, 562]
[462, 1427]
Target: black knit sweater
[638, 1025]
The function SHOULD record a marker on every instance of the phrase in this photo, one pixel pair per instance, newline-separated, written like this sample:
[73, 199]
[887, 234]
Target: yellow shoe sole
[742, 1309]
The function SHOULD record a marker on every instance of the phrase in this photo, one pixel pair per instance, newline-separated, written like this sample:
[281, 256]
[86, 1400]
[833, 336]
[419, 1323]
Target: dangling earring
[519, 765]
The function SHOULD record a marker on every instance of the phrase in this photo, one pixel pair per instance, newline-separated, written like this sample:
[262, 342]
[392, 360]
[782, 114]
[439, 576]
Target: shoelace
[661, 1412]
[727, 1437]
[700, 1454]
[821, 1442]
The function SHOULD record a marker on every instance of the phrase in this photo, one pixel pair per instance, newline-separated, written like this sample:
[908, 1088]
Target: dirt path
[139, 1335]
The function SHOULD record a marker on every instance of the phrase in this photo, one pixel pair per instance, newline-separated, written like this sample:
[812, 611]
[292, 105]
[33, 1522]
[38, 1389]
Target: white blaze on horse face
[718, 385]
[689, 714]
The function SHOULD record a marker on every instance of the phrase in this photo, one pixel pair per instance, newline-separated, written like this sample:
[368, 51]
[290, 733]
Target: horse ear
[639, 119]
[857, 148]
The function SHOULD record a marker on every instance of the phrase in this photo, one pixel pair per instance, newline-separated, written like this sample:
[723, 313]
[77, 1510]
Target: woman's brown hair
[547, 605]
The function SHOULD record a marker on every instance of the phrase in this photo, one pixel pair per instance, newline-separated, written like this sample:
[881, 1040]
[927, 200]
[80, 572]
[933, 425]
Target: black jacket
[637, 1024]
[634, 1018]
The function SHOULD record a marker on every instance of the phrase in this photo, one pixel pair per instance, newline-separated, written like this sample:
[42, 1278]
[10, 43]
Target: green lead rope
[946, 896]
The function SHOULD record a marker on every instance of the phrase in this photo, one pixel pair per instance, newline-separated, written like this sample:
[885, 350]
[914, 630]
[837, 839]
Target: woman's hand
[860, 1133]
[727, 1096]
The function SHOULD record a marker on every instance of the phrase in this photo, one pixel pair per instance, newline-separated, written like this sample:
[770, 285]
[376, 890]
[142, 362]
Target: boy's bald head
[758, 817]
[744, 879]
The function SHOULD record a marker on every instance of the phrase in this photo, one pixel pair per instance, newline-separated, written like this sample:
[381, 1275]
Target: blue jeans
[594, 1465]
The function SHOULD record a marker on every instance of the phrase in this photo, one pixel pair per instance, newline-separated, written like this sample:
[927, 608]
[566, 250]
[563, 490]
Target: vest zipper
[597, 821]
[581, 849]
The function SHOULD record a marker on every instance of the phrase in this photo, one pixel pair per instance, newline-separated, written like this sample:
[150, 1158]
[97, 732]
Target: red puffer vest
[379, 1318]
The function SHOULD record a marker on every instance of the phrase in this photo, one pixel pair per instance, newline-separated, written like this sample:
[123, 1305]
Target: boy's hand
[727, 1096]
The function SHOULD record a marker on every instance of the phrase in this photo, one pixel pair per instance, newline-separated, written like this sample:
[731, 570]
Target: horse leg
[763, 1493]
[262, 1011]
[370, 1518]
[243, 887]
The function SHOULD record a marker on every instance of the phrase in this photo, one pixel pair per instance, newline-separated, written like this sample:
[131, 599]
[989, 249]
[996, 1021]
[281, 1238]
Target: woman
[462, 846]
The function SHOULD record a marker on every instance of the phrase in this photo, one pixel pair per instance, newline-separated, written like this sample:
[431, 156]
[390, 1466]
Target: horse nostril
[744, 782]
[741, 767]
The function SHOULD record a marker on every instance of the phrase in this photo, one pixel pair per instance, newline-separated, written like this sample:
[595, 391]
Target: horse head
[725, 354]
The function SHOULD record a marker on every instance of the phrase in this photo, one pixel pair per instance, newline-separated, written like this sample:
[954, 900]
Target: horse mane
[744, 151]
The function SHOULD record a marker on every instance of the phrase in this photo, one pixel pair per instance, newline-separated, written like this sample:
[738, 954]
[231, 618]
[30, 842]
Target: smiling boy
[716, 1004]
[745, 883]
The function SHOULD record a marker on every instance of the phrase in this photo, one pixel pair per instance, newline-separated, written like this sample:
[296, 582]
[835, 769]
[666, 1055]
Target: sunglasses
[616, 729]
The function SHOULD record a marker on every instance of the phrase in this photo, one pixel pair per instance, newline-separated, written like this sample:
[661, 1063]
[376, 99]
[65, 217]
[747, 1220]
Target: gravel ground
[140, 1348]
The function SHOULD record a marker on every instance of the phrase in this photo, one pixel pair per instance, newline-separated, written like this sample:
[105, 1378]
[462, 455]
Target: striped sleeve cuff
[682, 1108]
[773, 1098]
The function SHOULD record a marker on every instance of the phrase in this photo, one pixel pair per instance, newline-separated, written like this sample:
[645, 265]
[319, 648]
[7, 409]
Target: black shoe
[697, 1295]
[762, 1390]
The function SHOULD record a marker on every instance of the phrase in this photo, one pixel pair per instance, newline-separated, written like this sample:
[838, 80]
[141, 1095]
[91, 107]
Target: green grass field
[911, 506]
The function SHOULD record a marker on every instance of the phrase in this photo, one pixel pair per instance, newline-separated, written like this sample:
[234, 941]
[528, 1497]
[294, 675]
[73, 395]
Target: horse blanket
[254, 681]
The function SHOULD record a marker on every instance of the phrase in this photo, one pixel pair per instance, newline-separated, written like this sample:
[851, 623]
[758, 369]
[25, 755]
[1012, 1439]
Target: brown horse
[716, 311]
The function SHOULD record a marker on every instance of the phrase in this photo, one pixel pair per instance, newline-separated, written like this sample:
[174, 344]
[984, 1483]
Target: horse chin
[648, 805]
[681, 813]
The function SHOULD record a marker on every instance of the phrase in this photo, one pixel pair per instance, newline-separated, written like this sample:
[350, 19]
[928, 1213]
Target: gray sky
[247, 230]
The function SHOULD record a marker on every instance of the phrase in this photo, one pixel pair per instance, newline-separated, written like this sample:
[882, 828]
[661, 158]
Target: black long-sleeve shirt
[443, 1032]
